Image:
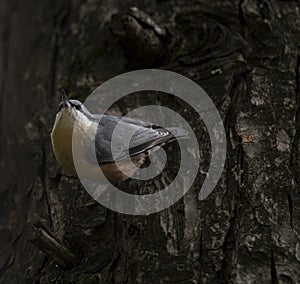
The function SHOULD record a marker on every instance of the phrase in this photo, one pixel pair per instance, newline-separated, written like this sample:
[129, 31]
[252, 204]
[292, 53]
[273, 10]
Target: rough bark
[245, 54]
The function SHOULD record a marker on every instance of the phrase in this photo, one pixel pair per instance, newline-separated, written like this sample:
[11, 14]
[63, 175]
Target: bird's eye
[78, 107]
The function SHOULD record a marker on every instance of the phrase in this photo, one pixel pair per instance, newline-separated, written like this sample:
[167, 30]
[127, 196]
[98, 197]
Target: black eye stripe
[76, 106]
[59, 107]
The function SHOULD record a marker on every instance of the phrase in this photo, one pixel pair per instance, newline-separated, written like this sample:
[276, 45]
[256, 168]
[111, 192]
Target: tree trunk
[244, 53]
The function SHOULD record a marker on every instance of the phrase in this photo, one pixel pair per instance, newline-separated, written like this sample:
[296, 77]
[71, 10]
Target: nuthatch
[146, 140]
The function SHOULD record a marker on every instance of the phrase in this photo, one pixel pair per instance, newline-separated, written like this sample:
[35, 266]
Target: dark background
[244, 53]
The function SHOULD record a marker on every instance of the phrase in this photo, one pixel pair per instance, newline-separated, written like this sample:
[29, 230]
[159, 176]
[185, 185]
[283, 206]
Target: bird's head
[71, 111]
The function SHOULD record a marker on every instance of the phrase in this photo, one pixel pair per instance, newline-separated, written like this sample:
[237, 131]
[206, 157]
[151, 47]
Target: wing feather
[144, 137]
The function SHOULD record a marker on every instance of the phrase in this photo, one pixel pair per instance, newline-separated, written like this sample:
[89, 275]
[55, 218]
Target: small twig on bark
[46, 241]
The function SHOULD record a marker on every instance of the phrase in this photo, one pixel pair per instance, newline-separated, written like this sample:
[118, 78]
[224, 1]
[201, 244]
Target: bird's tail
[178, 133]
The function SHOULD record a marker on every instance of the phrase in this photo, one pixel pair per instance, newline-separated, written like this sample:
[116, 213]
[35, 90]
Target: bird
[72, 115]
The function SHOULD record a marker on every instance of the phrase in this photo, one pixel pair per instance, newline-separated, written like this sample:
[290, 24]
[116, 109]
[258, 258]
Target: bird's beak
[65, 99]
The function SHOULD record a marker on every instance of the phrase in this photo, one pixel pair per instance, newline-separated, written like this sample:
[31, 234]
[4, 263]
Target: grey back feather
[144, 137]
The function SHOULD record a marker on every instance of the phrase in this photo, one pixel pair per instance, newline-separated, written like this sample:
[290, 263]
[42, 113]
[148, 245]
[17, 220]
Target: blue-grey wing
[126, 136]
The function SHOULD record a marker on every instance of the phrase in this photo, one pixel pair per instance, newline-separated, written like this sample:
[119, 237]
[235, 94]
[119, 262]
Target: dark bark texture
[244, 53]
